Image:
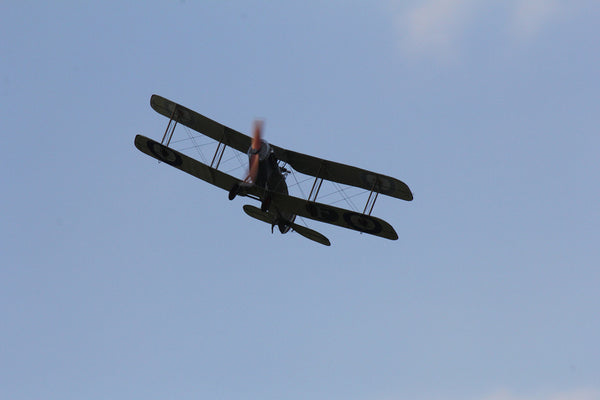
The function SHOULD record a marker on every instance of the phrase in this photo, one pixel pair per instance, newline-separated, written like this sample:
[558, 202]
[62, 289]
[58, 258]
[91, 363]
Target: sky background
[122, 278]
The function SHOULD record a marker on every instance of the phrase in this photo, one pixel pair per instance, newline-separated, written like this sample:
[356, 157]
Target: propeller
[254, 152]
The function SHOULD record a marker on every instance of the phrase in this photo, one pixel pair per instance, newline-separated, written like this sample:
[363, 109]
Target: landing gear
[264, 206]
[283, 226]
[234, 191]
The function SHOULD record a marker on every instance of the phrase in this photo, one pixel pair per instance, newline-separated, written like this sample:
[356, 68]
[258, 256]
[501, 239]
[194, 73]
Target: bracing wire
[345, 197]
[196, 146]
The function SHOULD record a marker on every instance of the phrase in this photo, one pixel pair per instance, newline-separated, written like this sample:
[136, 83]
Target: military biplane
[267, 172]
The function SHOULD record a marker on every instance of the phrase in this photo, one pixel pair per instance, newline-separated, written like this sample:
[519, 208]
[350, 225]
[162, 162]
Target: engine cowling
[263, 151]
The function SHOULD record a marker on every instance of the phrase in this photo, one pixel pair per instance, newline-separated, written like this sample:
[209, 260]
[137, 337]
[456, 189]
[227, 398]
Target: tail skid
[308, 233]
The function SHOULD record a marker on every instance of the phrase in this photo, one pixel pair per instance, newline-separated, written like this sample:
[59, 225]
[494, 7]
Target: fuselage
[270, 177]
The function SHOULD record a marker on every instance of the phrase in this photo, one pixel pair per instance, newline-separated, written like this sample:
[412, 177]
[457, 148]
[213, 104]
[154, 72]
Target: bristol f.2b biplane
[267, 172]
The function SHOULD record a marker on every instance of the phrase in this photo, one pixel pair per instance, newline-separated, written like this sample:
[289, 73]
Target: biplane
[267, 172]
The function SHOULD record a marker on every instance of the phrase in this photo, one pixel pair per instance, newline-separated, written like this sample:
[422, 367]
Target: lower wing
[304, 208]
[334, 215]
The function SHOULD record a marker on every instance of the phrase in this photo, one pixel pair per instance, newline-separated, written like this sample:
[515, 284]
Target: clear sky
[124, 279]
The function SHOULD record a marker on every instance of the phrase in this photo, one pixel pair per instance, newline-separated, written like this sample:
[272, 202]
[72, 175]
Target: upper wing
[189, 165]
[345, 174]
[200, 123]
[329, 170]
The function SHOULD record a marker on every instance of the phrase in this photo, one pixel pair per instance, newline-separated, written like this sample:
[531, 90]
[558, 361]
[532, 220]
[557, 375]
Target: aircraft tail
[308, 233]
[311, 234]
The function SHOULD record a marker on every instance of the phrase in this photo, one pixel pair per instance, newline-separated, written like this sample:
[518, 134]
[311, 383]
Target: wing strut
[169, 132]
[316, 192]
[369, 199]
[316, 185]
[221, 151]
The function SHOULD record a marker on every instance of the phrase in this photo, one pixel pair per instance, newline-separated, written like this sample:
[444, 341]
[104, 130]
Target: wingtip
[137, 141]
[153, 100]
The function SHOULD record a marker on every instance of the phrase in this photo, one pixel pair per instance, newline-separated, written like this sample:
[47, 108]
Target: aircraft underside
[266, 178]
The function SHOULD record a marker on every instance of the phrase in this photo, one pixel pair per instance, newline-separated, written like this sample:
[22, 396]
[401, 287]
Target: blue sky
[122, 278]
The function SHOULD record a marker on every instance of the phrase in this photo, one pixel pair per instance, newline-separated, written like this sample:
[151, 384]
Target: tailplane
[311, 234]
[308, 233]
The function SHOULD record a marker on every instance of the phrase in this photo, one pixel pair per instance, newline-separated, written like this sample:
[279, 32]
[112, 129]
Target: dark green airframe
[278, 208]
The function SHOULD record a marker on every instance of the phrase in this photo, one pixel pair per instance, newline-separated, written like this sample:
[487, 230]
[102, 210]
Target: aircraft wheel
[282, 227]
[234, 191]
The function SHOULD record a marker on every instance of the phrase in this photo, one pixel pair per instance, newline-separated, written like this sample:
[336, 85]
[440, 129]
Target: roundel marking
[321, 212]
[164, 154]
[361, 222]
[182, 114]
[384, 185]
